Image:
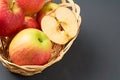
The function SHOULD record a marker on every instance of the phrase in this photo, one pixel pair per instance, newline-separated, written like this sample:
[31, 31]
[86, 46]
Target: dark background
[95, 54]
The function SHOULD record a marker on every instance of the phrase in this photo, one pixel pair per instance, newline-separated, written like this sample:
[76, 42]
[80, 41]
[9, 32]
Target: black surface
[95, 55]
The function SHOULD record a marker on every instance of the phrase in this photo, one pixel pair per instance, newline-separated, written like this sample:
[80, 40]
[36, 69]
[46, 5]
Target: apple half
[60, 26]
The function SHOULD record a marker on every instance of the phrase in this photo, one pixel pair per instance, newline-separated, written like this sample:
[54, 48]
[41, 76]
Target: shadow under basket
[57, 54]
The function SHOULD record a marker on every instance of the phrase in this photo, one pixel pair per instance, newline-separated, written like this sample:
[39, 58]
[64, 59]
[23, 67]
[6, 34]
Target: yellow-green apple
[31, 6]
[30, 22]
[46, 9]
[11, 17]
[30, 47]
[61, 27]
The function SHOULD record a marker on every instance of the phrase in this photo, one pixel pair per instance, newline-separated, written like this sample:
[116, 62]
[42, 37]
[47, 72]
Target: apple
[46, 9]
[30, 47]
[62, 25]
[30, 22]
[11, 17]
[31, 7]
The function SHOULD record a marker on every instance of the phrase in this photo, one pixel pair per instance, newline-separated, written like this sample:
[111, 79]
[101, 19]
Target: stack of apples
[34, 26]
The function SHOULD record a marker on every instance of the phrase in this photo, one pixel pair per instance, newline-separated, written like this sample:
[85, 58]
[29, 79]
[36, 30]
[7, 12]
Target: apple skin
[31, 6]
[46, 9]
[30, 22]
[11, 19]
[30, 47]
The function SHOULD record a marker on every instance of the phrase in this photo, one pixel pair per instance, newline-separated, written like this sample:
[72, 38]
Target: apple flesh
[62, 25]
[46, 9]
[30, 47]
[31, 7]
[11, 18]
[30, 22]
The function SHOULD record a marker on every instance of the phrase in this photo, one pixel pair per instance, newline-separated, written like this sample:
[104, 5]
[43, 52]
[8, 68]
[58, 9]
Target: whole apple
[11, 17]
[31, 7]
[30, 47]
[30, 22]
[46, 9]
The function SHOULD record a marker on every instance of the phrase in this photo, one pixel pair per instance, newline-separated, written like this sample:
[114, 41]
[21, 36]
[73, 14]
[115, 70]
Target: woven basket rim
[34, 69]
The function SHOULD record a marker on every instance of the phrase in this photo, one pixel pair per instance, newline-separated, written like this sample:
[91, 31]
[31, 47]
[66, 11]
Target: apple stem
[40, 40]
[12, 4]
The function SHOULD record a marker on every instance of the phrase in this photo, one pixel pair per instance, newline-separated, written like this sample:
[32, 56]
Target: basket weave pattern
[57, 54]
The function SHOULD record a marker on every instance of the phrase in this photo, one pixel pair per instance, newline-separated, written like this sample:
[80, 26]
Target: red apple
[46, 9]
[30, 22]
[11, 17]
[31, 6]
[30, 47]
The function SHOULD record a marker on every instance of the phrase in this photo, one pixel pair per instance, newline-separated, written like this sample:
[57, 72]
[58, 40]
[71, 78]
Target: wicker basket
[57, 54]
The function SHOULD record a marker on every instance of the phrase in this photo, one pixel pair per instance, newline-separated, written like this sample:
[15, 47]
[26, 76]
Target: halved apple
[60, 27]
